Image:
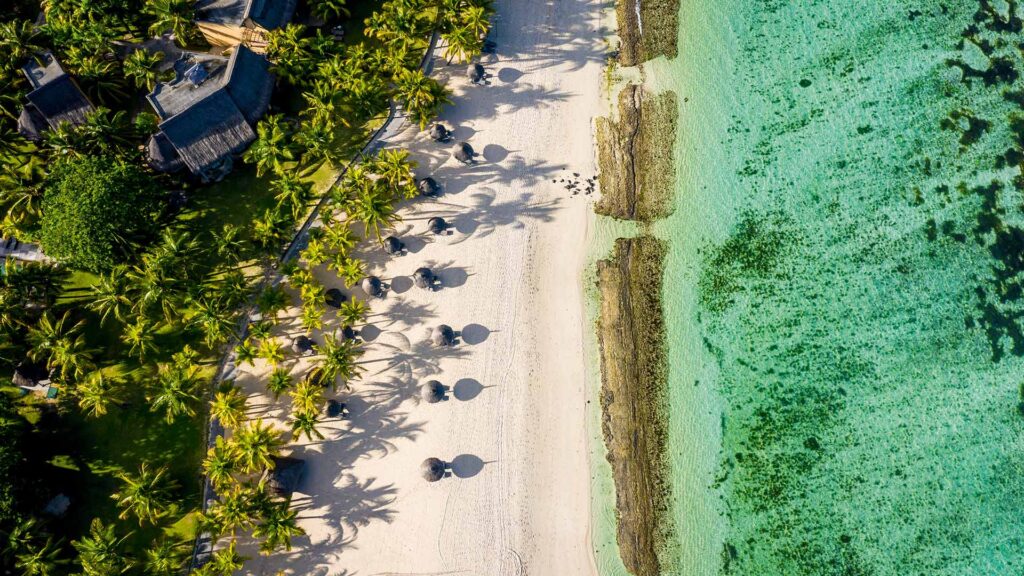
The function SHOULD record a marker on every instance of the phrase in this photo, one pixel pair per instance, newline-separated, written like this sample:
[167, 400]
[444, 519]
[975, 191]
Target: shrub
[95, 209]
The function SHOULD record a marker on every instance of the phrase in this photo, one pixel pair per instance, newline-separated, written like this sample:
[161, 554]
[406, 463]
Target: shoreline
[634, 396]
[647, 30]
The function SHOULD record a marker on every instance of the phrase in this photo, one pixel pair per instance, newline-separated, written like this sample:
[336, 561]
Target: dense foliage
[130, 347]
[95, 209]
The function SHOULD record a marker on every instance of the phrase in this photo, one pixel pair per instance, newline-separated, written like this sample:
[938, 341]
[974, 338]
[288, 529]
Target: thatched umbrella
[302, 345]
[348, 333]
[443, 335]
[464, 152]
[334, 298]
[424, 278]
[433, 469]
[477, 72]
[439, 133]
[432, 392]
[437, 225]
[393, 246]
[428, 187]
[372, 286]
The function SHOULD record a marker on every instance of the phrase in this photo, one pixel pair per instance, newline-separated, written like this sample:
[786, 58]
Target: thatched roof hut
[208, 110]
[393, 246]
[437, 225]
[55, 98]
[476, 72]
[302, 345]
[424, 278]
[433, 469]
[433, 392]
[372, 286]
[284, 478]
[443, 335]
[439, 133]
[464, 153]
[334, 298]
[428, 187]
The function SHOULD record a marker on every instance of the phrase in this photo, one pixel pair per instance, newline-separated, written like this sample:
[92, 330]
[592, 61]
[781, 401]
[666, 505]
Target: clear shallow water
[842, 293]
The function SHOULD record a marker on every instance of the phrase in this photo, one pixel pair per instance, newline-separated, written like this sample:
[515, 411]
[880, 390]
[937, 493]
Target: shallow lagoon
[843, 291]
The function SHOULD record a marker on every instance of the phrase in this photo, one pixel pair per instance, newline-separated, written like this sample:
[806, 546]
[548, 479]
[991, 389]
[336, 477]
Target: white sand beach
[514, 425]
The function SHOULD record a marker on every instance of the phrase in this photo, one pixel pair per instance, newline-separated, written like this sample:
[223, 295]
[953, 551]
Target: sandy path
[514, 426]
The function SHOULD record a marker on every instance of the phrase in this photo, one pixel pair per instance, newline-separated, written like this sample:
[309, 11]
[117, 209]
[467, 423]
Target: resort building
[230, 22]
[208, 111]
[55, 98]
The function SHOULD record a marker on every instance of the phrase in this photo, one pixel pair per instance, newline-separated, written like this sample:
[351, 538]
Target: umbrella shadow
[495, 153]
[466, 465]
[509, 75]
[401, 284]
[474, 334]
[467, 389]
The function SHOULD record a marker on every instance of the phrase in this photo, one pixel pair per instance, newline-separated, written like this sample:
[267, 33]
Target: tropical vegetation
[153, 274]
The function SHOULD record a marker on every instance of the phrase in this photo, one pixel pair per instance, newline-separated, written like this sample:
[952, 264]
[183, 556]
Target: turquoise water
[843, 291]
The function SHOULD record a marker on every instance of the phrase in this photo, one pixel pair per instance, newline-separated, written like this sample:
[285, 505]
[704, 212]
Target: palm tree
[339, 238]
[315, 252]
[269, 230]
[291, 191]
[312, 316]
[421, 96]
[461, 44]
[245, 352]
[214, 320]
[42, 560]
[318, 141]
[339, 358]
[18, 40]
[232, 288]
[272, 300]
[328, 9]
[110, 295]
[257, 443]
[279, 382]
[352, 270]
[176, 16]
[289, 51]
[305, 423]
[261, 330]
[97, 393]
[272, 147]
[223, 562]
[234, 509]
[145, 495]
[374, 209]
[221, 463]
[271, 351]
[166, 558]
[353, 311]
[141, 67]
[396, 169]
[307, 397]
[323, 102]
[228, 243]
[64, 348]
[229, 406]
[176, 392]
[278, 527]
[100, 78]
[141, 337]
[101, 552]
[476, 19]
